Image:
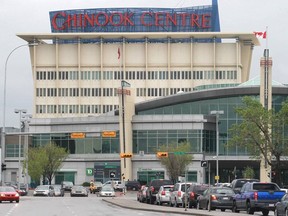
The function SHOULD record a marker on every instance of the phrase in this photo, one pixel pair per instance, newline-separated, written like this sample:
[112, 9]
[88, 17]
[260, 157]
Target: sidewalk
[132, 203]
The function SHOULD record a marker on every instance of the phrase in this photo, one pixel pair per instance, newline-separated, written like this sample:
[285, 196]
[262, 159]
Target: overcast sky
[32, 16]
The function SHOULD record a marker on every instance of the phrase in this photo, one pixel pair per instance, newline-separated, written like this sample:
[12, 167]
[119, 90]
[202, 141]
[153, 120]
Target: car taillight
[152, 189]
[179, 194]
[192, 195]
[163, 193]
[213, 197]
[255, 195]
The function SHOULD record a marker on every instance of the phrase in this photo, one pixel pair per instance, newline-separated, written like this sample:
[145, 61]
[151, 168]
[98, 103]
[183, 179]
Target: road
[93, 205]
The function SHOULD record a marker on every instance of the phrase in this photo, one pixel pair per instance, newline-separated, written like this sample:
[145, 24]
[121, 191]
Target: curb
[124, 205]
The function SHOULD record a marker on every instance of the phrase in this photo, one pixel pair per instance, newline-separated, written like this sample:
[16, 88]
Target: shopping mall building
[130, 80]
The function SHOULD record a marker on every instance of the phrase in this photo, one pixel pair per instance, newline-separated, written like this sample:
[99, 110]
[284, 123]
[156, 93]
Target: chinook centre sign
[191, 19]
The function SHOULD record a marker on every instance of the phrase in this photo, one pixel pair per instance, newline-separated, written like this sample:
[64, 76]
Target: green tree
[262, 133]
[45, 161]
[248, 172]
[176, 165]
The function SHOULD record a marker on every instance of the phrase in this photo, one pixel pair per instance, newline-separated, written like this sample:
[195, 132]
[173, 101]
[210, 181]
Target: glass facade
[150, 141]
[227, 104]
[88, 145]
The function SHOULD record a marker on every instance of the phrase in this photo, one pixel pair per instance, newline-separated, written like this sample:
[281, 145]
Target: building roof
[31, 37]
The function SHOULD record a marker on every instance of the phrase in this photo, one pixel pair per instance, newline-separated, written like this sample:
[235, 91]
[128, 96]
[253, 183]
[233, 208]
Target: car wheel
[17, 201]
[249, 210]
[223, 210]
[265, 212]
[160, 203]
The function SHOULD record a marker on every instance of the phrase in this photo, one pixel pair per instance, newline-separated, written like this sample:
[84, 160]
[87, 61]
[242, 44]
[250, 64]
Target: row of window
[74, 109]
[136, 75]
[106, 92]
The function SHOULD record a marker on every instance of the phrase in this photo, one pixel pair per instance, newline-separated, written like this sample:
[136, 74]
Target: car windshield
[265, 187]
[161, 182]
[200, 189]
[240, 183]
[107, 189]
[7, 189]
[42, 187]
[223, 191]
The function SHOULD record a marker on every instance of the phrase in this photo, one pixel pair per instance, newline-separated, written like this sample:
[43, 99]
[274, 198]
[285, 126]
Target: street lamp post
[20, 111]
[3, 134]
[123, 84]
[217, 113]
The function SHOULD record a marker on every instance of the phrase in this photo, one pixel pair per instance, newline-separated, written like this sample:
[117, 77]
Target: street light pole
[20, 111]
[123, 84]
[217, 113]
[3, 134]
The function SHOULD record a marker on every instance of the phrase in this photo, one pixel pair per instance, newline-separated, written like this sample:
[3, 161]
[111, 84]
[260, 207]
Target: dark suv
[153, 188]
[193, 192]
[133, 185]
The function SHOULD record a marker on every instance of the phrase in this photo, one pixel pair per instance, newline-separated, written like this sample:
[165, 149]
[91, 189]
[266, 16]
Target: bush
[86, 184]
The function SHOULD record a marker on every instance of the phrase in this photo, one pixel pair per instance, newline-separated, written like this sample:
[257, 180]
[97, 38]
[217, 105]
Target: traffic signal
[3, 166]
[162, 154]
[125, 155]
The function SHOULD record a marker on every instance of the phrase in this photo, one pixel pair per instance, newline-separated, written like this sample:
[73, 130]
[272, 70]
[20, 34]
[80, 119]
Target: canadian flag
[119, 53]
[261, 34]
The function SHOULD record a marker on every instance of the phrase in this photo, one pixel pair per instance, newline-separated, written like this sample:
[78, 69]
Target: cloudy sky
[32, 16]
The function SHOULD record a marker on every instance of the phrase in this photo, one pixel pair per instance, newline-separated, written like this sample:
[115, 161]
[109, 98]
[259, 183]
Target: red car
[8, 193]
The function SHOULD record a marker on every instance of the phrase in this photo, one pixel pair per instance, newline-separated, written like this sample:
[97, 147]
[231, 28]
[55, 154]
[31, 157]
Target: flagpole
[266, 37]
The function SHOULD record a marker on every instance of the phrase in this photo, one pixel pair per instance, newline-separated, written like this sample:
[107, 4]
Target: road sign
[89, 171]
[217, 178]
[204, 163]
[112, 174]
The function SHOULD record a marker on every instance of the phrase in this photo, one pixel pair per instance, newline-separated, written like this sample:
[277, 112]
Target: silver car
[79, 191]
[107, 191]
[163, 195]
[43, 190]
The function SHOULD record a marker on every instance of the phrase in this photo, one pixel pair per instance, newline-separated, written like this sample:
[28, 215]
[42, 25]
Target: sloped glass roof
[256, 82]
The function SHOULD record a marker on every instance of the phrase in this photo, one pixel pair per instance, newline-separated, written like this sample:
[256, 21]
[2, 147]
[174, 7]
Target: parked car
[44, 190]
[216, 198]
[281, 207]
[237, 184]
[192, 194]
[107, 191]
[177, 193]
[8, 193]
[78, 191]
[116, 184]
[163, 195]
[23, 189]
[58, 190]
[257, 196]
[133, 185]
[67, 185]
[153, 188]
[141, 195]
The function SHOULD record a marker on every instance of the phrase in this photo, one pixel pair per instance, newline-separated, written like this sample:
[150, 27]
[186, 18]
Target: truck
[257, 196]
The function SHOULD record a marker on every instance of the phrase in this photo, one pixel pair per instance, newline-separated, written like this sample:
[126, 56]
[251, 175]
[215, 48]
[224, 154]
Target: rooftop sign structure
[191, 19]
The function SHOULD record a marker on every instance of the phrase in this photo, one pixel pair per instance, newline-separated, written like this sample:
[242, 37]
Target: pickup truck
[256, 196]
